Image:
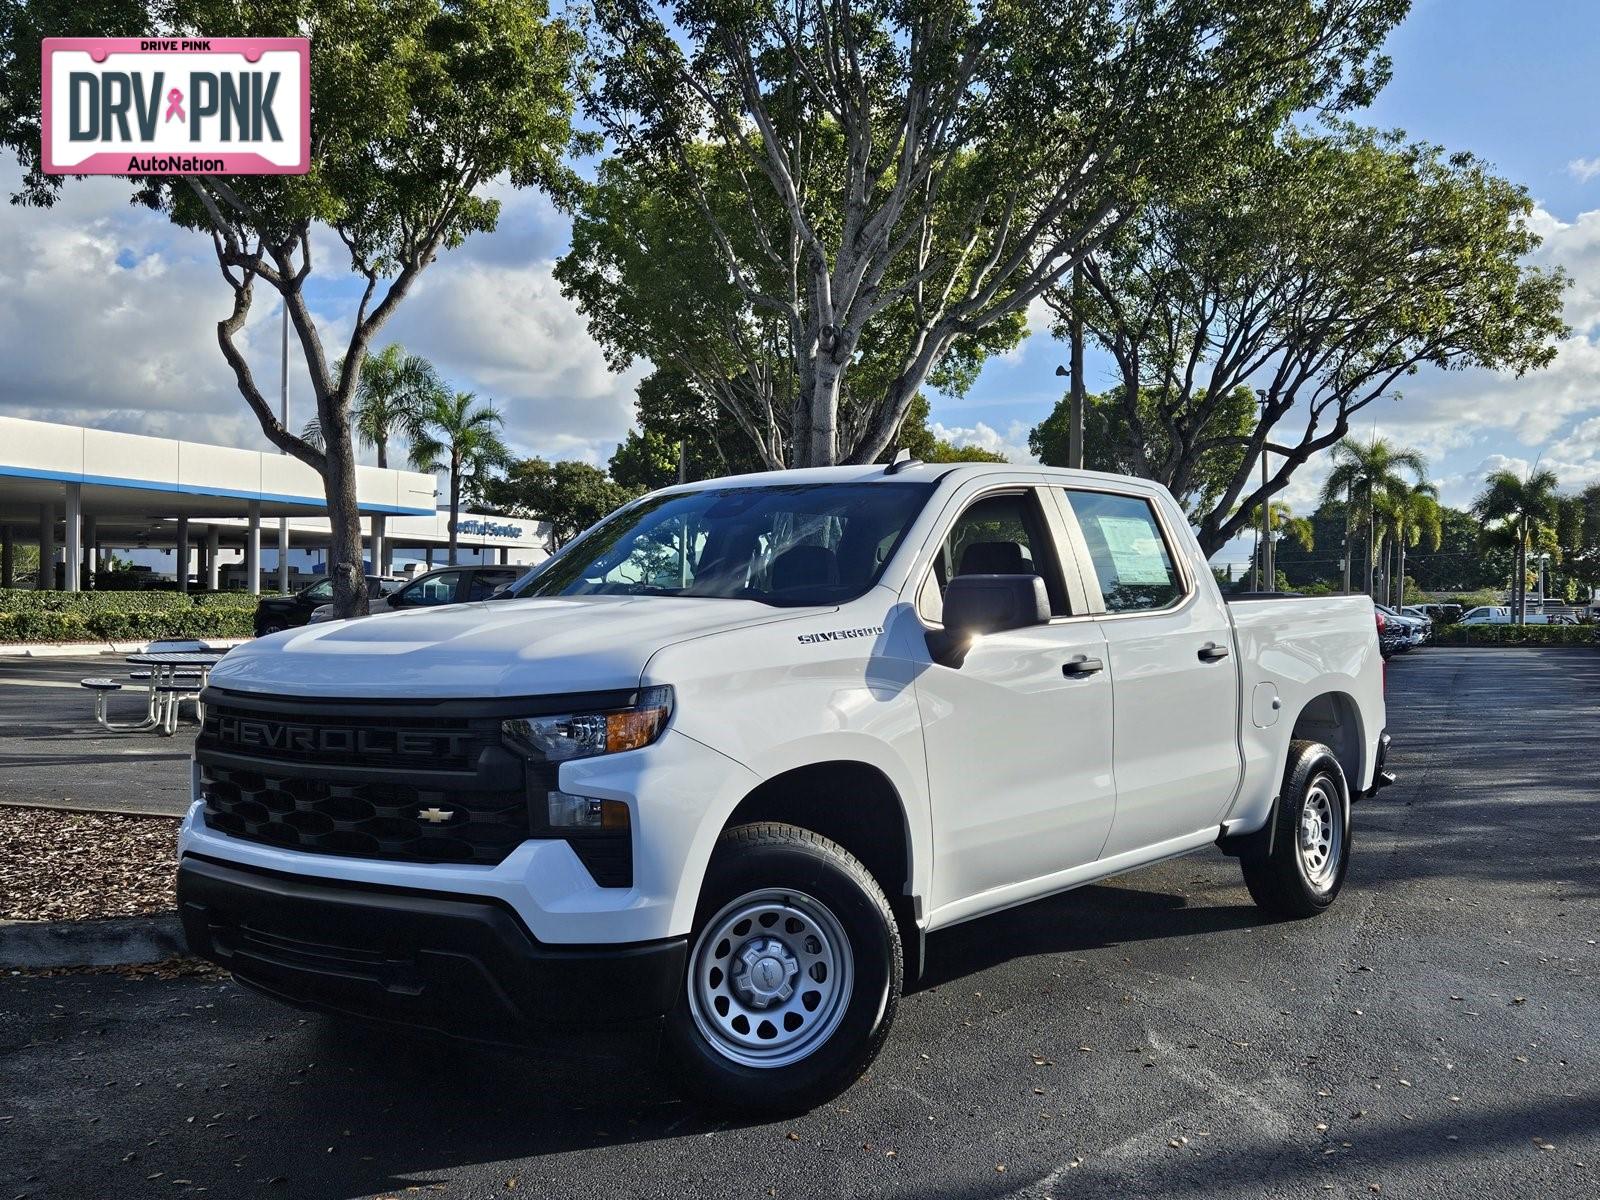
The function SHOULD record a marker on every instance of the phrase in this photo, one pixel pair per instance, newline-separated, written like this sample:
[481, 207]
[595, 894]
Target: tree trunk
[816, 436]
[455, 504]
[344, 520]
[1402, 572]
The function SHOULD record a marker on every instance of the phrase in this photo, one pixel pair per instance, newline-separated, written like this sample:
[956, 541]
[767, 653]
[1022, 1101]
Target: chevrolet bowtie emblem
[435, 816]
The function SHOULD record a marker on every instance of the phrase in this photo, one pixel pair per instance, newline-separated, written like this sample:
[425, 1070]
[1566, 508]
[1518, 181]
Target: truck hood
[499, 648]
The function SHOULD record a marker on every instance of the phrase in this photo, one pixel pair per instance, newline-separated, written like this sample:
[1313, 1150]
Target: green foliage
[848, 190]
[28, 616]
[639, 269]
[1515, 635]
[1524, 513]
[1326, 266]
[570, 495]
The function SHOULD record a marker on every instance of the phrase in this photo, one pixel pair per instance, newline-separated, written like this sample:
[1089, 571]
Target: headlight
[585, 735]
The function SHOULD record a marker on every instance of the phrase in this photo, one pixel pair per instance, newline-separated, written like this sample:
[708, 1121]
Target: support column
[283, 556]
[429, 559]
[70, 580]
[8, 557]
[180, 555]
[91, 552]
[252, 551]
[47, 548]
[213, 549]
[380, 544]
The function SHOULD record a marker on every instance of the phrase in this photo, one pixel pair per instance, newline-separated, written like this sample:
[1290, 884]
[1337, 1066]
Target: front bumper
[460, 965]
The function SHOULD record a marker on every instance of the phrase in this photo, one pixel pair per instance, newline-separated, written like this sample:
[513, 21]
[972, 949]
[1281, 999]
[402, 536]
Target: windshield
[782, 544]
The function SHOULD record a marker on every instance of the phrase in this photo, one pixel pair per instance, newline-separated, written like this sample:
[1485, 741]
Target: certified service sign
[177, 106]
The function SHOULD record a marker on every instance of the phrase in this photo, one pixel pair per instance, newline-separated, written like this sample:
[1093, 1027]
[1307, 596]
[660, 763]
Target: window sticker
[1136, 549]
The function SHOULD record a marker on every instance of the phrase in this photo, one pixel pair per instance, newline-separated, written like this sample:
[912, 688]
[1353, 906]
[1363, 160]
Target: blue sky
[107, 312]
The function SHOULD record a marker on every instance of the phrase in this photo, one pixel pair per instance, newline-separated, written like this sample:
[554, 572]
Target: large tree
[929, 167]
[416, 107]
[1321, 270]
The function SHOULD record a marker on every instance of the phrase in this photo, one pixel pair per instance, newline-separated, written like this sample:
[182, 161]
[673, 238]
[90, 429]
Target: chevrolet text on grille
[322, 739]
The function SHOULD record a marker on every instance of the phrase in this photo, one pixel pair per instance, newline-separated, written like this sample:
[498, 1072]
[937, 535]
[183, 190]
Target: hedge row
[27, 616]
[1516, 635]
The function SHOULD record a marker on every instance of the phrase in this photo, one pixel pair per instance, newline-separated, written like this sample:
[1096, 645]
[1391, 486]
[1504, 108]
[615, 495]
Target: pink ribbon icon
[175, 106]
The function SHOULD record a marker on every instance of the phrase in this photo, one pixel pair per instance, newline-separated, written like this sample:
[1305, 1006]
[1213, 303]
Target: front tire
[1311, 845]
[794, 974]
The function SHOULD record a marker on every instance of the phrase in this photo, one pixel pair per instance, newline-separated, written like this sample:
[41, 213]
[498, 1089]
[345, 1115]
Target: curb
[101, 942]
[75, 649]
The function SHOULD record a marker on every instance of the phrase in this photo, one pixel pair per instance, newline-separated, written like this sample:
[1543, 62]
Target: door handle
[1211, 652]
[1082, 665]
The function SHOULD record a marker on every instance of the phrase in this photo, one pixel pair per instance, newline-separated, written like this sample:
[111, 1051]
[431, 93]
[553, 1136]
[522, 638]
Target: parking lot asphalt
[1436, 1034]
[53, 753]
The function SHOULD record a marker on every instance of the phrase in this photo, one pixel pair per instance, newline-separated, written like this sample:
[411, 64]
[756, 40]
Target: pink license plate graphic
[177, 106]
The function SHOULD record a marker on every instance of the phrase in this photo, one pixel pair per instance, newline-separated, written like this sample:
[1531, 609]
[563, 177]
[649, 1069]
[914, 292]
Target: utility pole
[283, 416]
[1075, 393]
[1349, 511]
[1269, 567]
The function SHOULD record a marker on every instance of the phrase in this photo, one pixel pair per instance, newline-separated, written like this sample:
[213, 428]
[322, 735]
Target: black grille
[401, 821]
[408, 782]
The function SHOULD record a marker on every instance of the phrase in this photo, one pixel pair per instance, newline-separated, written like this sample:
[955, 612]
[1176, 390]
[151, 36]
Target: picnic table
[173, 676]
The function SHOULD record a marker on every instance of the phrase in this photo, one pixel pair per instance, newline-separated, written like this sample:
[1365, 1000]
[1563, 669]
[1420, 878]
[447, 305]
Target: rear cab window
[1128, 551]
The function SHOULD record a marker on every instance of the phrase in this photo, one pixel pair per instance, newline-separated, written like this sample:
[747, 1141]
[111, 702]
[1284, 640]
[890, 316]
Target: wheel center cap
[764, 971]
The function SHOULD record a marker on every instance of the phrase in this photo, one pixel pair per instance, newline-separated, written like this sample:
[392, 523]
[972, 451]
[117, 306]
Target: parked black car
[274, 613]
[447, 585]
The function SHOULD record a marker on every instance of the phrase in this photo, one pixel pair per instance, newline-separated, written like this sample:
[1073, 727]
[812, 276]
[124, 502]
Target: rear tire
[1311, 845]
[794, 974]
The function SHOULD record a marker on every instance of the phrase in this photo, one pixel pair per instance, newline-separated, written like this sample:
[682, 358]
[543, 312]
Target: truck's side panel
[1296, 651]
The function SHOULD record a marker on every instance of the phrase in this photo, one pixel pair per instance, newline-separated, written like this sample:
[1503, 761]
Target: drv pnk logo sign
[177, 106]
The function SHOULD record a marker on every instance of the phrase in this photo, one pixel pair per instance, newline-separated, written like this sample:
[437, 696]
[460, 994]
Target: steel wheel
[1318, 841]
[770, 978]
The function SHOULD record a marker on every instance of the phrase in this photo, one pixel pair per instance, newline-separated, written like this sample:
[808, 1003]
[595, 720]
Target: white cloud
[1584, 169]
[1013, 443]
[108, 312]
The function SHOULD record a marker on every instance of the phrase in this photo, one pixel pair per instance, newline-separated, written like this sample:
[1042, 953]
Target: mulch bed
[57, 865]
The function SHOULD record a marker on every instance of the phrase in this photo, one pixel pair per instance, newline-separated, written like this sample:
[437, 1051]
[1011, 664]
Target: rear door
[1018, 737]
[1174, 682]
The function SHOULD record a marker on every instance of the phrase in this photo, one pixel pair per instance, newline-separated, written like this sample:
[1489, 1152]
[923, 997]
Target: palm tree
[396, 388]
[1525, 509]
[1362, 476]
[1412, 516]
[458, 434]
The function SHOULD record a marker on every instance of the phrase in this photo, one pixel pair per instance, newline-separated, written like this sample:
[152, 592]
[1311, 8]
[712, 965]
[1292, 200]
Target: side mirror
[979, 604]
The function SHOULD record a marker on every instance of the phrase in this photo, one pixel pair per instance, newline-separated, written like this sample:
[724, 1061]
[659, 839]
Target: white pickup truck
[728, 757]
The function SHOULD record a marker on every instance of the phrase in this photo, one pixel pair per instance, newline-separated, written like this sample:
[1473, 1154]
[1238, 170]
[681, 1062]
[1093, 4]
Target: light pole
[283, 415]
[1075, 387]
[1269, 568]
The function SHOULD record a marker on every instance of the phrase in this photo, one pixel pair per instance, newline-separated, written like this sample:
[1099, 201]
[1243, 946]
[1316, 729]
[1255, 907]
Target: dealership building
[80, 493]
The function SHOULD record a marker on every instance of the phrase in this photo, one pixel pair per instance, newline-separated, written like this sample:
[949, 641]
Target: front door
[1018, 738]
[1174, 681]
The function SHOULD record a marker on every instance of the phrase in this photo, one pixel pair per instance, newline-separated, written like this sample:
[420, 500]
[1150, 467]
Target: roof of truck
[915, 472]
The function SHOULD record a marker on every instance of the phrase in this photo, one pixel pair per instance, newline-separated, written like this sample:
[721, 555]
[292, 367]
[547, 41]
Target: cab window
[1001, 534]
[1131, 559]
[320, 592]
